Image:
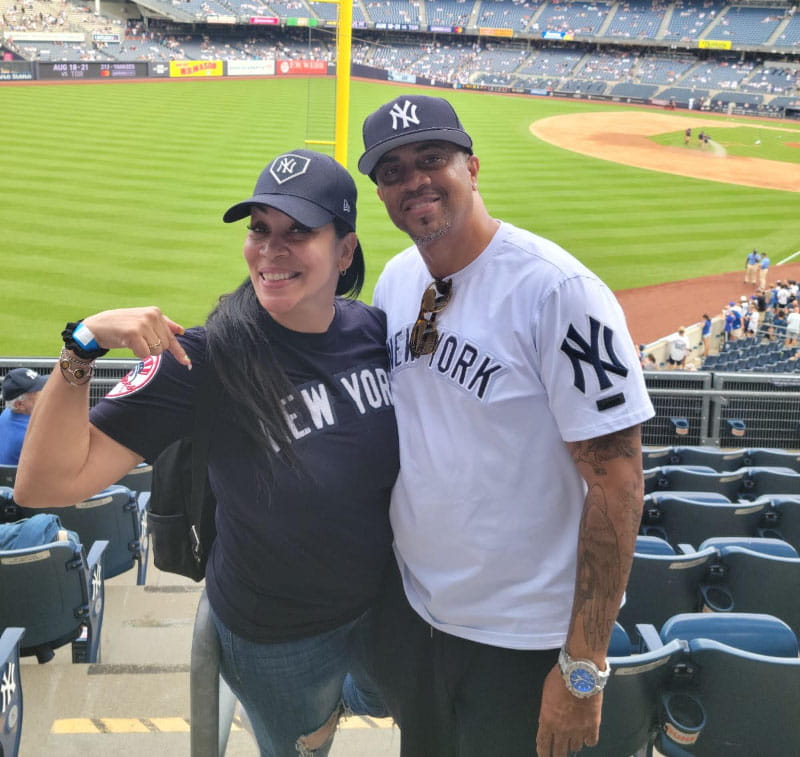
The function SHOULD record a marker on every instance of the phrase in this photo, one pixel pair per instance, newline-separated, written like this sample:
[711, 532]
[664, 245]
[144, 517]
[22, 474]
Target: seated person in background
[21, 387]
[42, 528]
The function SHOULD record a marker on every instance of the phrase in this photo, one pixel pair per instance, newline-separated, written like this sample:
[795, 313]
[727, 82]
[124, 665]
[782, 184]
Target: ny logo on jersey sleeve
[597, 353]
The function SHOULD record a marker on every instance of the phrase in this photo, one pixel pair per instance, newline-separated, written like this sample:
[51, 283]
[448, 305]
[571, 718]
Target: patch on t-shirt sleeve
[139, 377]
[613, 401]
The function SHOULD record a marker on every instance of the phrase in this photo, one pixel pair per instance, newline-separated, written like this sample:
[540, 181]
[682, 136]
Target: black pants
[452, 697]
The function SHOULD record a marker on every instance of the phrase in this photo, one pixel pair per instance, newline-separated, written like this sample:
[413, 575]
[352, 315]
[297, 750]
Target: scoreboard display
[93, 70]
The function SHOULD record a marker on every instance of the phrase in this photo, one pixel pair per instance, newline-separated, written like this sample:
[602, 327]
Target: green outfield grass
[746, 141]
[112, 195]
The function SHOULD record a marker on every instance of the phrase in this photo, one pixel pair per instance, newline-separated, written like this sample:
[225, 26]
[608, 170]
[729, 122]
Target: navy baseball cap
[310, 187]
[407, 119]
[21, 381]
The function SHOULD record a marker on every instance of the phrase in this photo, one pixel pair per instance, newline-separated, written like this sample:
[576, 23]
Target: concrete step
[136, 699]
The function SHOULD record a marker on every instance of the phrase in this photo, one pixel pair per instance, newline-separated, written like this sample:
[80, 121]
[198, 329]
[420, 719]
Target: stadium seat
[765, 457]
[9, 510]
[212, 702]
[783, 518]
[655, 457]
[764, 545]
[713, 457]
[139, 480]
[734, 691]
[112, 515]
[699, 478]
[57, 595]
[663, 585]
[685, 520]
[630, 702]
[761, 481]
[10, 692]
[754, 580]
[8, 475]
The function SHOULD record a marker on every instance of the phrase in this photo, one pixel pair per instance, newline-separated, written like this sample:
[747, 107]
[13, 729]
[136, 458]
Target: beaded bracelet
[75, 370]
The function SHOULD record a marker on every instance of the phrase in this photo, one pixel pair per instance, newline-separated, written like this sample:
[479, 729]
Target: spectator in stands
[678, 350]
[466, 656]
[792, 326]
[303, 452]
[763, 270]
[21, 388]
[650, 363]
[752, 323]
[751, 266]
[706, 334]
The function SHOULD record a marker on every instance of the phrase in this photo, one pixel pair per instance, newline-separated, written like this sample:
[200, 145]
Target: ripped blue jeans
[290, 690]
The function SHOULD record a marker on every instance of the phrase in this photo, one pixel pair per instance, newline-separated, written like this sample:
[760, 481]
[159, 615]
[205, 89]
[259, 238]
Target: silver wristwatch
[583, 677]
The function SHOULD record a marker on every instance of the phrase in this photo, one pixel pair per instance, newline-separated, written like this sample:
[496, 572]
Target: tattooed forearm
[597, 452]
[598, 579]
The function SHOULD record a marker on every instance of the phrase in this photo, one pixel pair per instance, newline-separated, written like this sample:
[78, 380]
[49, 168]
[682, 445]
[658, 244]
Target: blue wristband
[84, 338]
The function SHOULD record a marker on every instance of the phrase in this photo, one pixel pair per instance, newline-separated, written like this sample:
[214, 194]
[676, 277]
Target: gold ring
[154, 346]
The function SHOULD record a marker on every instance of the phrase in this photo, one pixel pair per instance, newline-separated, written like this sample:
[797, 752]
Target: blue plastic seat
[112, 515]
[57, 595]
[10, 692]
[684, 520]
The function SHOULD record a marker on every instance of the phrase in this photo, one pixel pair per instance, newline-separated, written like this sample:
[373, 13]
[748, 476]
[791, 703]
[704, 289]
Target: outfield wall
[84, 71]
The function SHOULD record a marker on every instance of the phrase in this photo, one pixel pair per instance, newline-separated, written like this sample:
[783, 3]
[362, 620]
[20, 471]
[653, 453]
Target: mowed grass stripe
[114, 195]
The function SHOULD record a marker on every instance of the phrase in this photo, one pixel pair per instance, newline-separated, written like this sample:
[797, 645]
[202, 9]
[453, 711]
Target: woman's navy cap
[407, 119]
[310, 187]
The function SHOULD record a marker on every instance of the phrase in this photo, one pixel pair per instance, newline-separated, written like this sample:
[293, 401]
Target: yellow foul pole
[344, 38]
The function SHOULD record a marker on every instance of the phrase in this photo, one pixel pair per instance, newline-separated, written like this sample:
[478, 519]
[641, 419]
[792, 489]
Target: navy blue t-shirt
[305, 553]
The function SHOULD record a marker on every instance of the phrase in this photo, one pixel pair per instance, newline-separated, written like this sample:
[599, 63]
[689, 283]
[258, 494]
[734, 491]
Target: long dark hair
[240, 352]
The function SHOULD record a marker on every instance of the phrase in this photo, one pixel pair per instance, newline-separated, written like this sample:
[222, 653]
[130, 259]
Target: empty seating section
[551, 62]
[580, 19]
[748, 26]
[690, 19]
[772, 79]
[725, 74]
[790, 36]
[501, 14]
[447, 12]
[656, 70]
[397, 12]
[606, 67]
[636, 19]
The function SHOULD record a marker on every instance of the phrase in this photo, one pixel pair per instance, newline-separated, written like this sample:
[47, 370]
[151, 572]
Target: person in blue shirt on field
[21, 387]
[751, 267]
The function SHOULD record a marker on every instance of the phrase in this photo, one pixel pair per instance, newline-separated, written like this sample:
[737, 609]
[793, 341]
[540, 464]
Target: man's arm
[611, 465]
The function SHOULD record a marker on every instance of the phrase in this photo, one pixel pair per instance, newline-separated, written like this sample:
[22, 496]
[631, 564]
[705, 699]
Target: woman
[303, 453]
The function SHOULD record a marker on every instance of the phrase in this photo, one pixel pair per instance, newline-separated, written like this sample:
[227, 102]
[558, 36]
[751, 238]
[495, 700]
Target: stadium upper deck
[706, 54]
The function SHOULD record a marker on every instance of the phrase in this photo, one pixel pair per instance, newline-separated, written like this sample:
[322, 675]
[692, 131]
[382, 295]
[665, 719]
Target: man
[763, 270]
[678, 350]
[751, 267]
[518, 392]
[21, 387]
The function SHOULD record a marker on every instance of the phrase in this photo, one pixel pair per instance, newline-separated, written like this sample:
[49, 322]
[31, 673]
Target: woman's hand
[144, 331]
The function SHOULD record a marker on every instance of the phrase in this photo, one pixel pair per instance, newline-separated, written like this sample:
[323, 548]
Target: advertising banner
[302, 67]
[251, 67]
[714, 44]
[195, 68]
[265, 20]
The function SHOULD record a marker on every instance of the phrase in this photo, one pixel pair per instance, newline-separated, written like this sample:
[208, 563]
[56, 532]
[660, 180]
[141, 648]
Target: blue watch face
[582, 681]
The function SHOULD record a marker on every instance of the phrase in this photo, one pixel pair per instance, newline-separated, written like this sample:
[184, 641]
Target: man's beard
[422, 239]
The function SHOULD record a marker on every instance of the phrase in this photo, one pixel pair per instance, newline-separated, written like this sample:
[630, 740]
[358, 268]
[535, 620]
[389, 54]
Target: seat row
[746, 483]
[720, 459]
[711, 685]
[722, 574]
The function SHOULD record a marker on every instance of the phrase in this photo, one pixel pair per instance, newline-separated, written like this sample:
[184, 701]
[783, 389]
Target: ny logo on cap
[289, 166]
[407, 114]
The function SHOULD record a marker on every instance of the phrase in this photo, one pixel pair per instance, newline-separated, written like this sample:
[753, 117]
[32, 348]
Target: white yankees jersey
[533, 352]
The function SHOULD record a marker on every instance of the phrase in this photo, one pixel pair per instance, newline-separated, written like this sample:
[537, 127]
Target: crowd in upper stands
[519, 63]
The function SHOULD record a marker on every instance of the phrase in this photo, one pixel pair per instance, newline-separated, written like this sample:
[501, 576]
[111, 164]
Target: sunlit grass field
[112, 195]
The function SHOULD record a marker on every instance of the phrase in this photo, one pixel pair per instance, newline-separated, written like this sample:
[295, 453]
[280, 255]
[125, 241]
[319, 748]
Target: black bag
[181, 511]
